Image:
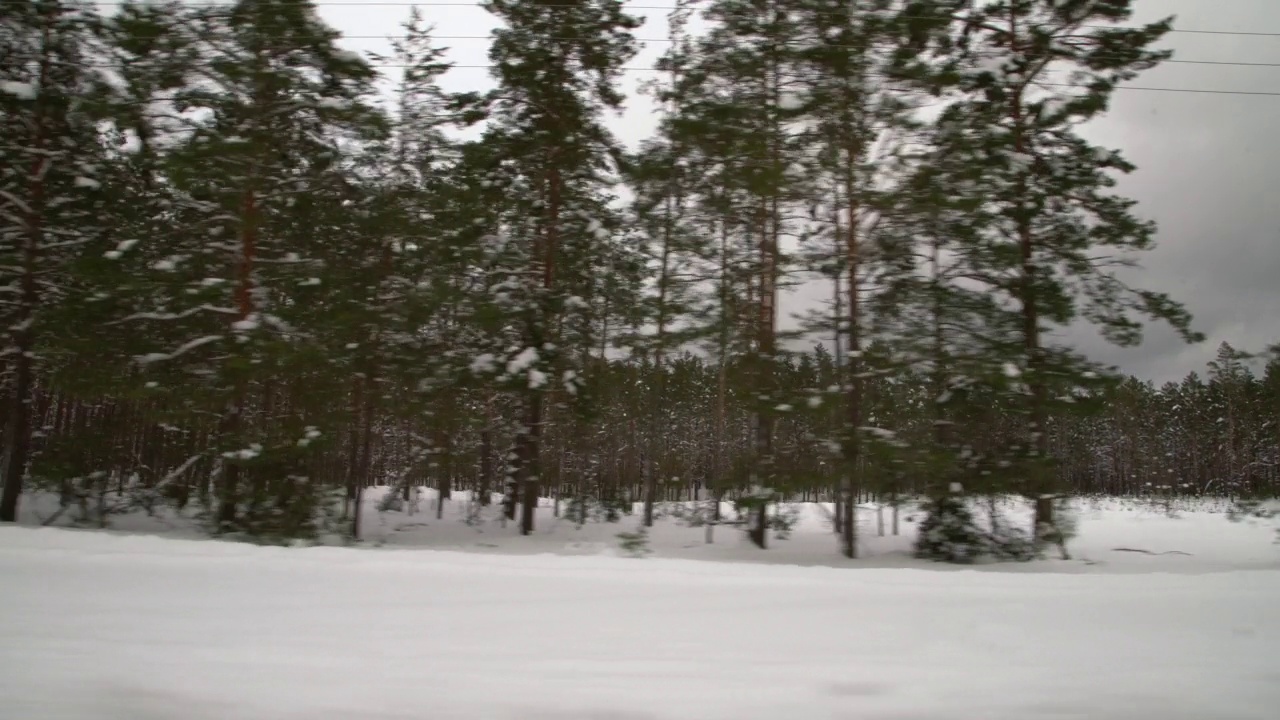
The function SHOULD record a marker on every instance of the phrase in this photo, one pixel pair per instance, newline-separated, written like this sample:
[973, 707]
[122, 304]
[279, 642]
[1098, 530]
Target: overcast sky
[1208, 164]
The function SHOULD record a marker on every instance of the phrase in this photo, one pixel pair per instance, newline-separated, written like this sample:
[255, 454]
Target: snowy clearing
[111, 626]
[1196, 527]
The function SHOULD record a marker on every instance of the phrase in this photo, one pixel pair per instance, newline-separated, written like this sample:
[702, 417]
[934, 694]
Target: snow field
[115, 626]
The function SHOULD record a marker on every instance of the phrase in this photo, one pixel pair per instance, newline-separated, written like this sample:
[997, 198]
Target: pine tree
[674, 250]
[1270, 391]
[1055, 235]
[1231, 379]
[739, 111]
[431, 222]
[861, 124]
[943, 328]
[702, 127]
[267, 193]
[557, 66]
[51, 96]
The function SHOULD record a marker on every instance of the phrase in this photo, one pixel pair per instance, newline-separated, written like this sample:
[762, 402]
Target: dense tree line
[239, 280]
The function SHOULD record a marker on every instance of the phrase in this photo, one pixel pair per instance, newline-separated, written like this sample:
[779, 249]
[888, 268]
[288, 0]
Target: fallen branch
[1148, 552]
[54, 517]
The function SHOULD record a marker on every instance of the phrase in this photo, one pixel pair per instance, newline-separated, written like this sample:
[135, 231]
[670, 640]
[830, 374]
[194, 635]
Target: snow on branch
[174, 474]
[174, 316]
[181, 350]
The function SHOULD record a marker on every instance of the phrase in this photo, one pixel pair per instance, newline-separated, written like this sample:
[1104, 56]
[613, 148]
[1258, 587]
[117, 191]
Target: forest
[248, 273]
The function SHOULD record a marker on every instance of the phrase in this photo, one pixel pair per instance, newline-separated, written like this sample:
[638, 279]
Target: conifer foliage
[1052, 234]
[242, 284]
[557, 68]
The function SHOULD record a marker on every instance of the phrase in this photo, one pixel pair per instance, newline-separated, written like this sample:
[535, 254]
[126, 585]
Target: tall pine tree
[51, 194]
[557, 67]
[1056, 238]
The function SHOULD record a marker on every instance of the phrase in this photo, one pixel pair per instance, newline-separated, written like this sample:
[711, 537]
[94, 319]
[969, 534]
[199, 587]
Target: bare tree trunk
[765, 352]
[770, 229]
[895, 501]
[364, 420]
[716, 484]
[18, 439]
[353, 447]
[486, 462]
[514, 477]
[853, 331]
[530, 464]
[355, 514]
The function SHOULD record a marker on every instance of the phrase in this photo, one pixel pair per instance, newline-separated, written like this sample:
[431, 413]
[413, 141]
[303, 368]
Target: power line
[837, 47]
[1175, 61]
[1208, 91]
[1198, 91]
[402, 3]
[1220, 62]
[1140, 88]
[392, 38]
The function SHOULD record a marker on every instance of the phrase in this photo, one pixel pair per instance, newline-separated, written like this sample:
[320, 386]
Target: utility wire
[1209, 91]
[1141, 88]
[1223, 63]
[1200, 91]
[854, 46]
[628, 7]
[1132, 87]
[393, 38]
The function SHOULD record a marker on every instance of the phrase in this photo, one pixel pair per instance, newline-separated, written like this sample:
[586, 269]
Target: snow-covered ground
[125, 626]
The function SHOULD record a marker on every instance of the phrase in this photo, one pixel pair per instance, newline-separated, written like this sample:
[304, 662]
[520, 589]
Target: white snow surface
[558, 626]
[20, 90]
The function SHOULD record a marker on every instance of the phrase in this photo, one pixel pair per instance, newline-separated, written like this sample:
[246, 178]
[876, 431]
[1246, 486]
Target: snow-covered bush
[1007, 542]
[391, 501]
[783, 520]
[1247, 509]
[289, 508]
[949, 532]
[635, 544]
[584, 508]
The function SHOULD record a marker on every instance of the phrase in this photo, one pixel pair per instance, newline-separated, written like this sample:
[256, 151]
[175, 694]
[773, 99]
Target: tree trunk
[852, 445]
[514, 477]
[485, 488]
[353, 447]
[229, 491]
[18, 439]
[530, 464]
[364, 421]
[765, 351]
[533, 431]
[355, 514]
[1044, 522]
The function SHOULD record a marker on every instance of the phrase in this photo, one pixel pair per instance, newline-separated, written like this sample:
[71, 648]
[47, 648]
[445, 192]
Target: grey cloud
[1209, 175]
